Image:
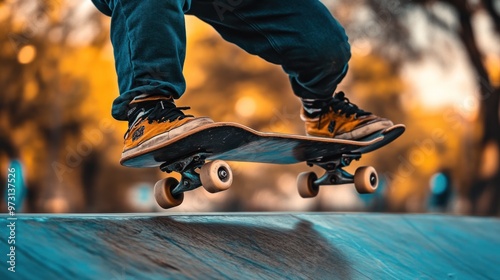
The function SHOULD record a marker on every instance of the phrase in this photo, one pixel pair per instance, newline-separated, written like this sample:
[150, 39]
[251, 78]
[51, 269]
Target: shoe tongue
[149, 103]
[134, 115]
[314, 107]
[131, 111]
[139, 109]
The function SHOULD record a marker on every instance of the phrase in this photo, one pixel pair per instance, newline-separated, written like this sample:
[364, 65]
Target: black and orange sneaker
[337, 117]
[154, 120]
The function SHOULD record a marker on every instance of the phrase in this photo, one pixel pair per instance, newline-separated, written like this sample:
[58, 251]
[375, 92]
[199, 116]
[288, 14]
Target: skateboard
[200, 157]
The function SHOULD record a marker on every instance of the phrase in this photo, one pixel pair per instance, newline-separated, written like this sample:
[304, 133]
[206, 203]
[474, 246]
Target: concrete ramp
[253, 246]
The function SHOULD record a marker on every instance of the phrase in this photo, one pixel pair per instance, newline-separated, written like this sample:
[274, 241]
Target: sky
[445, 77]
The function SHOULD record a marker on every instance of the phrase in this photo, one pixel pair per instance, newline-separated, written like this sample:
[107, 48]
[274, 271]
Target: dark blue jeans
[149, 39]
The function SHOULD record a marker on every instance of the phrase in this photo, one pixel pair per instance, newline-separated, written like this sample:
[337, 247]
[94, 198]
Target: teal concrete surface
[251, 246]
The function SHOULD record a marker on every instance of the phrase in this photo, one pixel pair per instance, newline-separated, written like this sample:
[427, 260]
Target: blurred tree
[483, 176]
[41, 101]
[34, 94]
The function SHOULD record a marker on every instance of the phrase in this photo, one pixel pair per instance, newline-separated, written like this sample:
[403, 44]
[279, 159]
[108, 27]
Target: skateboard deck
[216, 143]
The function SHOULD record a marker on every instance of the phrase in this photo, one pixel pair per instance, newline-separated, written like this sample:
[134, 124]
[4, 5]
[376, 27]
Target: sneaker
[337, 117]
[153, 121]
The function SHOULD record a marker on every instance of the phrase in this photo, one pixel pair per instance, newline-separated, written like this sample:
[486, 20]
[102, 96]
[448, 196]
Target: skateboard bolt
[179, 166]
[223, 174]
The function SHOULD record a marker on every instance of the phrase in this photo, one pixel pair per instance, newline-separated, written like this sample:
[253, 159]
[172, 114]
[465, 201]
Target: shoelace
[341, 105]
[163, 113]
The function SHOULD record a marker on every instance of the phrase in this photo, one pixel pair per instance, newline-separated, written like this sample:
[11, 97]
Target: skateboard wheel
[216, 176]
[365, 179]
[306, 186]
[163, 193]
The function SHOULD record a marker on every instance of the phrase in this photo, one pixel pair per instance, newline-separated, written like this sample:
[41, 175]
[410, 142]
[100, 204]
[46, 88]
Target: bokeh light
[26, 54]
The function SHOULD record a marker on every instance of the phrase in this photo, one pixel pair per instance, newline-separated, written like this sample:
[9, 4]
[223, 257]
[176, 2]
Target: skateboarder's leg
[149, 41]
[302, 37]
[149, 38]
[310, 45]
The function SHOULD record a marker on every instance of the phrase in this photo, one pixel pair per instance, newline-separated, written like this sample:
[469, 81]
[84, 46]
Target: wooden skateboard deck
[236, 142]
[219, 142]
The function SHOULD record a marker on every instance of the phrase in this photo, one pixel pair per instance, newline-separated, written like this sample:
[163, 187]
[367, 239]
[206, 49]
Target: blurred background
[432, 65]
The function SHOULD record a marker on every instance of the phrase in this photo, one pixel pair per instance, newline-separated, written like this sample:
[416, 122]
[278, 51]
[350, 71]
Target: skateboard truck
[214, 176]
[187, 167]
[365, 178]
[335, 175]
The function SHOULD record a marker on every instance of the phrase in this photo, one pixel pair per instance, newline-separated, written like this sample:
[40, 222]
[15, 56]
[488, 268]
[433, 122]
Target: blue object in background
[439, 184]
[440, 191]
[142, 197]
